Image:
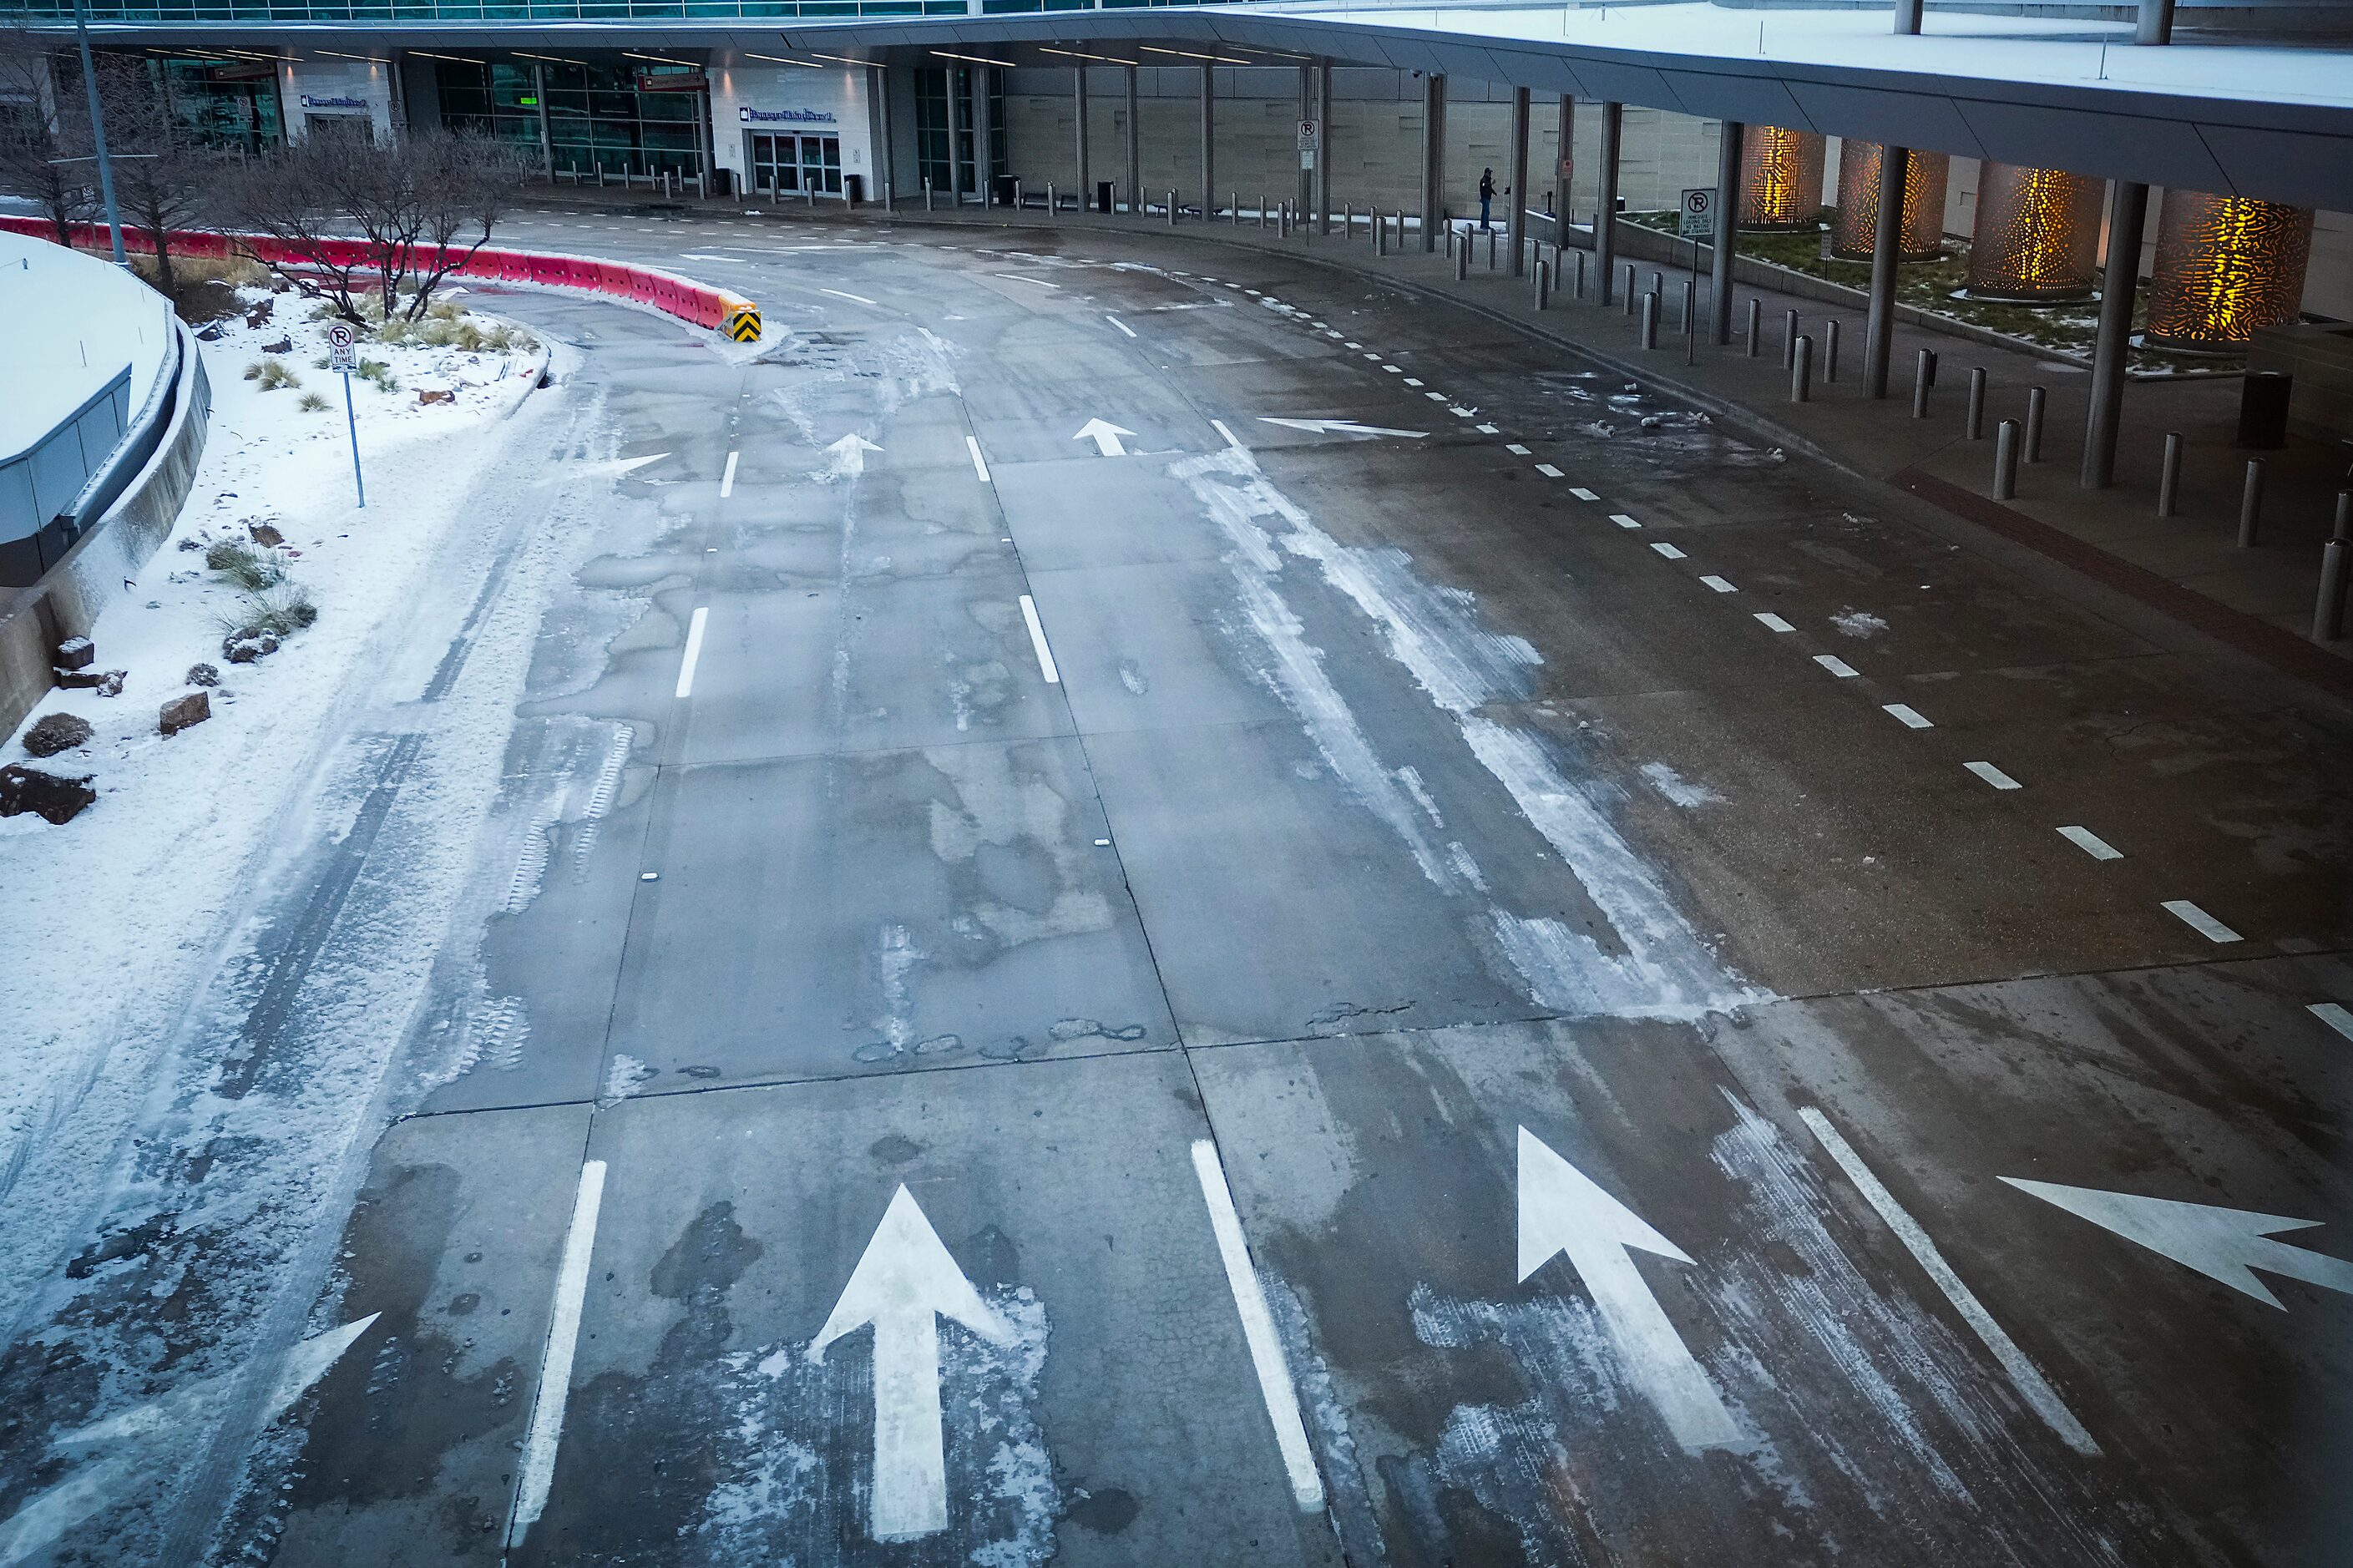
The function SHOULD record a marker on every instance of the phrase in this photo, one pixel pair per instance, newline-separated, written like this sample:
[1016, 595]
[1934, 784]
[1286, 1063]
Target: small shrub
[281, 611]
[445, 310]
[271, 374]
[252, 570]
[312, 404]
[377, 371]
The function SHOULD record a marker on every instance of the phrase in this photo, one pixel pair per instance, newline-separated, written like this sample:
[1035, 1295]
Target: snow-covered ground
[112, 916]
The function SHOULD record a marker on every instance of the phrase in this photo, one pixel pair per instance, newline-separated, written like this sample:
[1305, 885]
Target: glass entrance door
[795, 166]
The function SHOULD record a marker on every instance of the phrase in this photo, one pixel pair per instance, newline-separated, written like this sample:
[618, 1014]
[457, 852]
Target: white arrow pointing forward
[2222, 1243]
[1105, 436]
[903, 1285]
[847, 456]
[1562, 1211]
[1343, 428]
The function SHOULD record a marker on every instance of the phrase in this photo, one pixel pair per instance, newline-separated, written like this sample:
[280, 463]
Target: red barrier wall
[688, 301]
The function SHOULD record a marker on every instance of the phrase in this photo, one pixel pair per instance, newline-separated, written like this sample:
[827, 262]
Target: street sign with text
[1696, 217]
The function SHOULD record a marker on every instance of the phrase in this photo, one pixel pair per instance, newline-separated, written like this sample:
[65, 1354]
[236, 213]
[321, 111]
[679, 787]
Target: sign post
[342, 356]
[1695, 221]
[1310, 141]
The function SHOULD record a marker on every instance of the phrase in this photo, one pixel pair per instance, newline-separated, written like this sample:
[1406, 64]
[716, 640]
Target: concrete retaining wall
[67, 599]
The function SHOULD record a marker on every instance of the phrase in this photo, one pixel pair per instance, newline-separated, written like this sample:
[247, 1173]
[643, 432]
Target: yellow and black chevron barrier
[744, 324]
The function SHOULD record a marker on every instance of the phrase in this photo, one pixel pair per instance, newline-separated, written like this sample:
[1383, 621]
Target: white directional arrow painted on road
[1344, 427]
[1105, 436]
[1562, 1211]
[2222, 1243]
[846, 459]
[903, 1285]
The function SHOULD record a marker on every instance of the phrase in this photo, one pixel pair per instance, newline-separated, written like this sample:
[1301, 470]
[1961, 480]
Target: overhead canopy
[2245, 119]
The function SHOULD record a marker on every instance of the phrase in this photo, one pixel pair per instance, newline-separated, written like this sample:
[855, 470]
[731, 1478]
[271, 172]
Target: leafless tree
[44, 134]
[421, 208]
[160, 177]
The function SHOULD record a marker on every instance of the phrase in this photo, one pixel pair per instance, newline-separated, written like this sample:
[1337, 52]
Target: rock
[75, 653]
[202, 675]
[282, 346]
[264, 535]
[247, 643]
[260, 311]
[428, 394]
[57, 732]
[51, 796]
[105, 682]
[181, 711]
[210, 332]
[192, 543]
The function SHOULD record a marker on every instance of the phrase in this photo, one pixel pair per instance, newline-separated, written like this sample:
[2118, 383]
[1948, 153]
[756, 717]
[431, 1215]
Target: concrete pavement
[1449, 957]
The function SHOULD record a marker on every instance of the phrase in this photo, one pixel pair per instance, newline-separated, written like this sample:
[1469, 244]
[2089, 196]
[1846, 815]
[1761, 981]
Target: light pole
[98, 133]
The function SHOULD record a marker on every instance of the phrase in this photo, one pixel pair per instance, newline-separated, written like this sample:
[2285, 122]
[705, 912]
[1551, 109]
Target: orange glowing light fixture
[1780, 178]
[1922, 234]
[2225, 265]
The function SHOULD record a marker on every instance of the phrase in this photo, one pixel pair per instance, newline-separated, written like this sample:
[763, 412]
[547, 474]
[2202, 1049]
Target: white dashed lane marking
[2335, 1016]
[1547, 470]
[1774, 622]
[2199, 921]
[1909, 716]
[979, 464]
[1669, 550]
[1516, 449]
[1837, 666]
[1581, 493]
[1718, 584]
[2091, 844]
[1038, 642]
[1622, 520]
[1122, 326]
[694, 656]
[1992, 775]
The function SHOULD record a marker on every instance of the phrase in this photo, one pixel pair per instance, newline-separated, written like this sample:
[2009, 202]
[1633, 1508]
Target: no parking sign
[1696, 219]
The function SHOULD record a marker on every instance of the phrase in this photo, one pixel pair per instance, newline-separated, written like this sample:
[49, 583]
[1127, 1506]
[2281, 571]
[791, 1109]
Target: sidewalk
[2258, 601]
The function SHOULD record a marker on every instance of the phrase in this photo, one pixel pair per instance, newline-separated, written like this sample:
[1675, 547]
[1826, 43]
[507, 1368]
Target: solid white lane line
[1231, 440]
[1122, 326]
[1836, 666]
[1774, 622]
[845, 294]
[2091, 844]
[2199, 921]
[1992, 775]
[1037, 641]
[538, 1467]
[1258, 1330]
[694, 650]
[727, 480]
[1516, 449]
[1033, 282]
[1718, 584]
[1669, 550]
[1622, 520]
[2334, 1015]
[979, 465]
[1581, 493]
[2023, 1372]
[1548, 471]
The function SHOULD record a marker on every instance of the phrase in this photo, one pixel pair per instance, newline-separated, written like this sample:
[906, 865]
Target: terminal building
[2222, 131]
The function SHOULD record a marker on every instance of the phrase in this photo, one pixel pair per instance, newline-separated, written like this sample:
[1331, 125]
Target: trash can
[854, 189]
[2262, 409]
[1102, 195]
[1001, 190]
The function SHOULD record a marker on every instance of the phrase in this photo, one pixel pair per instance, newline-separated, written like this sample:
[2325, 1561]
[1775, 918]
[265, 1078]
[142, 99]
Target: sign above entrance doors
[316, 101]
[673, 81]
[750, 116]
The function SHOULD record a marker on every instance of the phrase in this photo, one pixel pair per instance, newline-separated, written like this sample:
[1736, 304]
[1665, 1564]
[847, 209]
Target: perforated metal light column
[1858, 204]
[1780, 178]
[2037, 235]
[2225, 265]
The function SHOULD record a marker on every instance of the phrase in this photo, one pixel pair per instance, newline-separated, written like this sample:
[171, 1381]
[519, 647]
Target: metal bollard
[1261, 213]
[2168, 477]
[1649, 337]
[2034, 400]
[1234, 198]
[1491, 250]
[1788, 338]
[1544, 283]
[1801, 371]
[2005, 460]
[1172, 209]
[1380, 234]
[2250, 503]
[1829, 350]
[1580, 275]
[1923, 375]
[927, 196]
[1050, 208]
[1462, 259]
[1017, 195]
[1689, 301]
[2335, 557]
[1347, 219]
[1449, 239]
[1658, 282]
[1630, 288]
[1973, 423]
[1756, 322]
